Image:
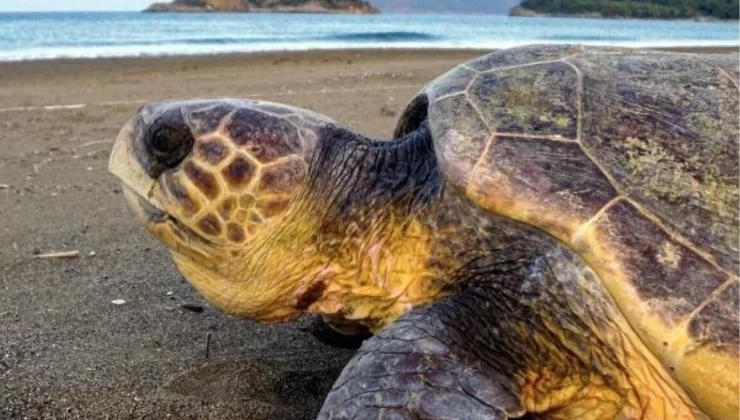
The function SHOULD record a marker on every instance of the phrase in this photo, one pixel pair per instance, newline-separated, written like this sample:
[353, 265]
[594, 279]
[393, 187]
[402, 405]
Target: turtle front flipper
[532, 332]
[421, 367]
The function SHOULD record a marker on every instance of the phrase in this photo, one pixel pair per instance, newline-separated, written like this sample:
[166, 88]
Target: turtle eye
[169, 143]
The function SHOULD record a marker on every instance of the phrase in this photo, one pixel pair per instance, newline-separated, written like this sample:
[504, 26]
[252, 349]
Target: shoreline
[711, 49]
[260, 54]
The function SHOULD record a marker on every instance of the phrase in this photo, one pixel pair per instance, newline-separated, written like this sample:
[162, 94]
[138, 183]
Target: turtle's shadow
[329, 336]
[274, 382]
[244, 381]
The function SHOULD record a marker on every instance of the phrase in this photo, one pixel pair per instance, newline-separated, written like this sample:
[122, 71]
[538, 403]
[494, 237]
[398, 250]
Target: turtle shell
[628, 157]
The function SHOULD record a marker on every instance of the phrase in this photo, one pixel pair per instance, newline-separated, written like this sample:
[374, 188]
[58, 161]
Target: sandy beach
[66, 350]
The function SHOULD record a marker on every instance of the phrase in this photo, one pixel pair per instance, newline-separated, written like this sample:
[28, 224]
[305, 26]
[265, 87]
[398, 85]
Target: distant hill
[649, 9]
[277, 6]
[501, 7]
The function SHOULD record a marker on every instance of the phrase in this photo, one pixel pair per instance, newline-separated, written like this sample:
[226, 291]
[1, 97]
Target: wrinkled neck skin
[375, 233]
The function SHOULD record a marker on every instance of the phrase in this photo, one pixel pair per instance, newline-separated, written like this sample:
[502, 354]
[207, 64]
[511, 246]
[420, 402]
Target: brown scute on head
[209, 119]
[247, 201]
[203, 180]
[211, 150]
[210, 225]
[240, 216]
[227, 207]
[239, 172]
[254, 220]
[271, 206]
[180, 195]
[282, 177]
[235, 233]
[265, 137]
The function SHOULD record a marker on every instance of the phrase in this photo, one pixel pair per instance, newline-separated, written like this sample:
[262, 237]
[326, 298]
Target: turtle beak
[125, 165]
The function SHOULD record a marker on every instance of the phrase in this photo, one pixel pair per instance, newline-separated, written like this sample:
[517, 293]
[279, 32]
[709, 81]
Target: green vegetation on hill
[658, 9]
[445, 6]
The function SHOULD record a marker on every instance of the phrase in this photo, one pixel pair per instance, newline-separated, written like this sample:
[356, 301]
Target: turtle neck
[353, 175]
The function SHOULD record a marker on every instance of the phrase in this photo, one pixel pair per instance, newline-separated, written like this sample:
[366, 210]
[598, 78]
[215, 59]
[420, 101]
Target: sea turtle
[553, 233]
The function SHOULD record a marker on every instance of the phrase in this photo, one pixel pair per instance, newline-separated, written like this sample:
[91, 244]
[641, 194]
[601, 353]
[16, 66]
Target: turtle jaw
[202, 264]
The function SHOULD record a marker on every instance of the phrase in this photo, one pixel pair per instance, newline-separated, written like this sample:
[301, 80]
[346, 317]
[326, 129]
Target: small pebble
[169, 293]
[92, 254]
[4, 186]
[118, 302]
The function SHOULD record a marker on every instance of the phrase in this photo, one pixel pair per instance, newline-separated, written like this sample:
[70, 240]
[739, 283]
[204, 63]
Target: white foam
[206, 49]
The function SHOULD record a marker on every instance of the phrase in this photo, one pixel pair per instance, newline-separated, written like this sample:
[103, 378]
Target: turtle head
[213, 180]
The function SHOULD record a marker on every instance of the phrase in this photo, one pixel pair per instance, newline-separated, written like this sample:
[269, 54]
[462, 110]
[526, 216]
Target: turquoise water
[49, 35]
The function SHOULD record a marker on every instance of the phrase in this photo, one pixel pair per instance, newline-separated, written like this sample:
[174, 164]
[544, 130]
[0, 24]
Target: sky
[60, 5]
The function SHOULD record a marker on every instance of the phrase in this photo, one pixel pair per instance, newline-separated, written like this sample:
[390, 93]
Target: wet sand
[66, 351]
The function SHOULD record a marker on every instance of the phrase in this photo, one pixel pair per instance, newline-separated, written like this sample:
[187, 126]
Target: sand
[66, 350]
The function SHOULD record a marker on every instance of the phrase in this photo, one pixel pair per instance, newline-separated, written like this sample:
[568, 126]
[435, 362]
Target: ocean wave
[588, 38]
[394, 36]
[163, 41]
[219, 41]
[390, 36]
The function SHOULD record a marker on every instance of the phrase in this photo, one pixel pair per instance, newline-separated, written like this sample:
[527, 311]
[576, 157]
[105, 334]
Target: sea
[28, 36]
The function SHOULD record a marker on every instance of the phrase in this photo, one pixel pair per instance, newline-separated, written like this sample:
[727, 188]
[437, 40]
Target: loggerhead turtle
[553, 233]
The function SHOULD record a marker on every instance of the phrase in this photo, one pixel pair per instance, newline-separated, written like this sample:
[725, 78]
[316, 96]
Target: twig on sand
[91, 143]
[208, 345]
[59, 255]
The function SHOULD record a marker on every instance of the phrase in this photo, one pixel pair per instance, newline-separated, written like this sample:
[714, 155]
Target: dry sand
[66, 351]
